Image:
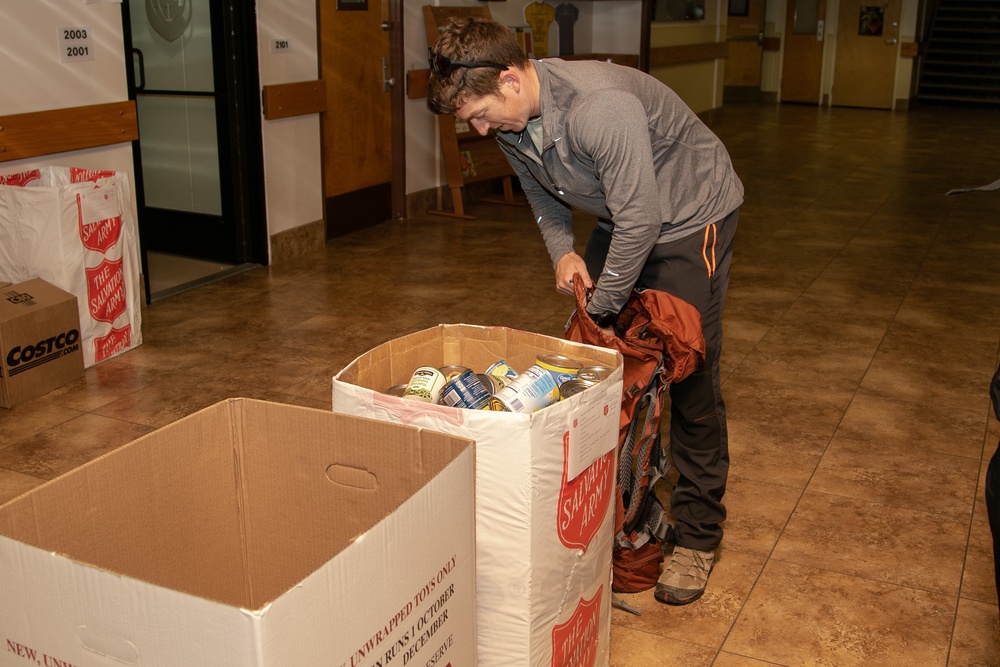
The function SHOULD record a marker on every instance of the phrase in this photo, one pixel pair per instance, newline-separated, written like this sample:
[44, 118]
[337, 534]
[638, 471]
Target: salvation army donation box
[249, 534]
[544, 488]
[39, 340]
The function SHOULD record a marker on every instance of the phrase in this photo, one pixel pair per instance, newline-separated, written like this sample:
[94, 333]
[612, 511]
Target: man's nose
[480, 126]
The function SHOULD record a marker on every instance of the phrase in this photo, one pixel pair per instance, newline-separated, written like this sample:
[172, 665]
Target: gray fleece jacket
[619, 144]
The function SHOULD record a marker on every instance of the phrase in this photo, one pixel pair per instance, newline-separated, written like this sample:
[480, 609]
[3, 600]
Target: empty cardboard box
[39, 340]
[248, 534]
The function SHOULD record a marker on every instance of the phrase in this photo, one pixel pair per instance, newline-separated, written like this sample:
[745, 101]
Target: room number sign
[75, 44]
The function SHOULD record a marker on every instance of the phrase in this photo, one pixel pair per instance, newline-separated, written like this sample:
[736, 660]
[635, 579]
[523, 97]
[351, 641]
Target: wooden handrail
[29, 135]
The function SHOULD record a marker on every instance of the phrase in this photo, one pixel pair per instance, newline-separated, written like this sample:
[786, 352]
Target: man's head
[469, 61]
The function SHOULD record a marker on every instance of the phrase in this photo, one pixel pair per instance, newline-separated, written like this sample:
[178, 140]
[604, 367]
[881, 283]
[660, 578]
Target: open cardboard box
[248, 534]
[544, 489]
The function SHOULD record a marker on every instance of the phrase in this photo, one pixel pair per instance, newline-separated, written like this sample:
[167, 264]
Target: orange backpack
[660, 339]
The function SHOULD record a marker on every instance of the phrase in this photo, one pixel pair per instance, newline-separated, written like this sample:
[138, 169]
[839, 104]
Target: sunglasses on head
[444, 66]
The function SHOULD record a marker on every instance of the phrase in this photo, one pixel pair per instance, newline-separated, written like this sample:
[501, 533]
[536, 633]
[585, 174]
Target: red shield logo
[117, 341]
[106, 297]
[574, 643]
[77, 175]
[584, 501]
[101, 235]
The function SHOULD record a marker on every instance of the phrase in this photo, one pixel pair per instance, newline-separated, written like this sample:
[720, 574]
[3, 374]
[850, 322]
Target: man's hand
[567, 266]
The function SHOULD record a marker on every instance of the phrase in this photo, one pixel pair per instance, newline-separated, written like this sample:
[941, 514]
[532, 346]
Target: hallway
[862, 331]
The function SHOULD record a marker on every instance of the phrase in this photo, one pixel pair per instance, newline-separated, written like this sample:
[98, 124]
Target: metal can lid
[491, 382]
[559, 361]
[451, 372]
[396, 390]
[574, 387]
[594, 373]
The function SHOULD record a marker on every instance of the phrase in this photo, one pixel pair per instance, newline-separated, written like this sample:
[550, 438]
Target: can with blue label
[502, 370]
[560, 367]
[532, 390]
[466, 391]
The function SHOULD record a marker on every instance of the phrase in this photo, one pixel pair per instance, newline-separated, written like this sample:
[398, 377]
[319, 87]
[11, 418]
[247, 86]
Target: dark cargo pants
[695, 269]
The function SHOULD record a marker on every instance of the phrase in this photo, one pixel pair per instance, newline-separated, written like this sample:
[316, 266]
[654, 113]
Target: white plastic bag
[75, 229]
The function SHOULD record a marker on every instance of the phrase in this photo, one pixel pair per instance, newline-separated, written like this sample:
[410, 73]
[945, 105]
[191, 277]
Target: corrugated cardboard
[543, 537]
[248, 534]
[39, 340]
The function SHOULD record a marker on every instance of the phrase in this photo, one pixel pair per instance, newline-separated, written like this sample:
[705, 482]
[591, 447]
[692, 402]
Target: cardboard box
[248, 534]
[543, 537]
[39, 340]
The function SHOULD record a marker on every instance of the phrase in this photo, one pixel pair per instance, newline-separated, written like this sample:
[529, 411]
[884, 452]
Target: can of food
[594, 373]
[574, 386]
[502, 369]
[532, 390]
[452, 372]
[492, 383]
[425, 385]
[465, 391]
[396, 390]
[559, 367]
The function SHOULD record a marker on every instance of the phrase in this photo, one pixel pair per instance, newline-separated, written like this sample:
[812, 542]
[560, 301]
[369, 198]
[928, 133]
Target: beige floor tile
[634, 648]
[897, 475]
[68, 445]
[978, 582]
[30, 418]
[733, 660]
[806, 616]
[778, 432]
[13, 484]
[977, 635]
[757, 513]
[865, 539]
[706, 621]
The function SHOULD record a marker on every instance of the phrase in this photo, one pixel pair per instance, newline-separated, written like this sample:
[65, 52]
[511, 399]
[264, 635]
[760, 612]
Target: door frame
[238, 117]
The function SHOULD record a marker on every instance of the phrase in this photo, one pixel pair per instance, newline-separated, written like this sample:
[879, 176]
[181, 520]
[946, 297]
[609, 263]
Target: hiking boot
[684, 578]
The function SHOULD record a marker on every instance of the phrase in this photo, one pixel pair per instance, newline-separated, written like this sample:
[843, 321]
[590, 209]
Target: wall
[33, 78]
[293, 183]
[698, 83]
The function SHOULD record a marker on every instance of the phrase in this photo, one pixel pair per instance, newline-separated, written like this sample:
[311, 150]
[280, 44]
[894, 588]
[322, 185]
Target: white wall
[293, 183]
[32, 77]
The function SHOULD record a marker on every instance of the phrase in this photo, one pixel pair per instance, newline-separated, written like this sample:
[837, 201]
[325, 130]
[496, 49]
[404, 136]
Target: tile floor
[863, 327]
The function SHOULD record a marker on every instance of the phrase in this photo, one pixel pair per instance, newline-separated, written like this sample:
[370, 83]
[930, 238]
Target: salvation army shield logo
[117, 341]
[584, 501]
[575, 642]
[106, 298]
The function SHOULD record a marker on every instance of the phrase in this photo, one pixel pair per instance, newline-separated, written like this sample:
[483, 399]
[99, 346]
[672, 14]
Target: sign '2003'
[75, 44]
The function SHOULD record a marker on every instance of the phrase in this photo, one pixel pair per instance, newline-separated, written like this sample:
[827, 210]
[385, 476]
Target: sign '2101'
[75, 44]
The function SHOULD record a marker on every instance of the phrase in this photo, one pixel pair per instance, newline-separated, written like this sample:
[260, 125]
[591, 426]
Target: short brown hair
[471, 40]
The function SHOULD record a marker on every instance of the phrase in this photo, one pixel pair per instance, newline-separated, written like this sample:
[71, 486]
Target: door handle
[141, 83]
[387, 81]
[891, 42]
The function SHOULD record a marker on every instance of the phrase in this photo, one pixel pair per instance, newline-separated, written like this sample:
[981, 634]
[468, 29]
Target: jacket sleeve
[554, 218]
[610, 132]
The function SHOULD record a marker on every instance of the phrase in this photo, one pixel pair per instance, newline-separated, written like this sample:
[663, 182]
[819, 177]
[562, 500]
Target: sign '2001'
[75, 44]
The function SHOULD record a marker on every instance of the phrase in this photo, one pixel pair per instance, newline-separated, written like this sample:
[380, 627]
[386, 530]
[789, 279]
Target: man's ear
[511, 78]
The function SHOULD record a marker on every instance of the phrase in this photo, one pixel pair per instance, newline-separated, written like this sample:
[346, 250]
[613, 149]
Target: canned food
[491, 382]
[425, 385]
[396, 390]
[501, 369]
[574, 386]
[594, 373]
[532, 390]
[452, 372]
[561, 368]
[465, 391]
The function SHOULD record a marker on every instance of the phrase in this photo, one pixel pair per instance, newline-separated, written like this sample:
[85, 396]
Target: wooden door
[355, 45]
[867, 52]
[802, 65]
[745, 38]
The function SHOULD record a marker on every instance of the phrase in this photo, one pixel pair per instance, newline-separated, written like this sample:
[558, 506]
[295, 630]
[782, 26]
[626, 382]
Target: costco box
[544, 531]
[39, 340]
[250, 533]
